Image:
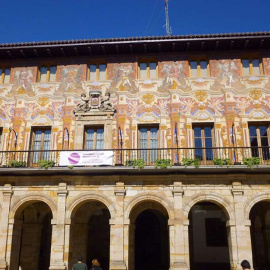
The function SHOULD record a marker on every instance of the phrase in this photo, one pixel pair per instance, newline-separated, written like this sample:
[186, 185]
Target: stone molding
[90, 196]
[30, 198]
[211, 197]
[147, 196]
[264, 196]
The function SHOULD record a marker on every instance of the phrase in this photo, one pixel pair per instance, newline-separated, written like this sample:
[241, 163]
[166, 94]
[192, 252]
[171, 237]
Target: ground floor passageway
[149, 238]
[208, 238]
[260, 234]
[90, 234]
[31, 241]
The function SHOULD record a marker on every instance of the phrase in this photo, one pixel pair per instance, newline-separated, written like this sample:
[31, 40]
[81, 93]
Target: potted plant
[191, 162]
[163, 163]
[44, 163]
[17, 164]
[136, 163]
[252, 162]
[222, 161]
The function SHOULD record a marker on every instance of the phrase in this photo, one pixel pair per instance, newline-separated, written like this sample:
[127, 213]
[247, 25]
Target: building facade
[195, 107]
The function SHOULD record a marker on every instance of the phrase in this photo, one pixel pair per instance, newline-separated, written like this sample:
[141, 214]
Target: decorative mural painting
[174, 75]
[70, 78]
[227, 73]
[23, 80]
[123, 76]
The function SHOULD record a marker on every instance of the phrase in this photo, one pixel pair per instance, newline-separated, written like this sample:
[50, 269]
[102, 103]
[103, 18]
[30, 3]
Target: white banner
[86, 158]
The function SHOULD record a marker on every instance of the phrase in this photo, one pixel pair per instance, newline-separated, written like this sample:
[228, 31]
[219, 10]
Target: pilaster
[117, 230]
[58, 230]
[240, 231]
[7, 194]
[177, 242]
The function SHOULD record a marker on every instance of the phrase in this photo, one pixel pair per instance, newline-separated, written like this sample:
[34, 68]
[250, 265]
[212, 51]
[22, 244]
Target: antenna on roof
[168, 28]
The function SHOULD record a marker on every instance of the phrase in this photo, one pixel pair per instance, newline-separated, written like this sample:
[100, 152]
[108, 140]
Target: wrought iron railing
[125, 157]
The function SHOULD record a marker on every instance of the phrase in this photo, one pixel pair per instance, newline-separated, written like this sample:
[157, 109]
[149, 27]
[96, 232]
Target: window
[5, 75]
[251, 67]
[47, 73]
[203, 135]
[198, 69]
[148, 138]
[148, 70]
[41, 141]
[94, 138]
[97, 72]
[259, 140]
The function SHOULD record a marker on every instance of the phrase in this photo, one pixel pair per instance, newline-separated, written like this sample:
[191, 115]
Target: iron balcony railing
[126, 157]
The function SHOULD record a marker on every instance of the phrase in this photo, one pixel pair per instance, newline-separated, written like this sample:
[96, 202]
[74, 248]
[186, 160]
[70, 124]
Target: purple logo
[74, 158]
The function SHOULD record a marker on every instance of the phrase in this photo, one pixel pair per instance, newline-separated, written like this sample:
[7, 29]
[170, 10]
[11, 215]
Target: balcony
[184, 157]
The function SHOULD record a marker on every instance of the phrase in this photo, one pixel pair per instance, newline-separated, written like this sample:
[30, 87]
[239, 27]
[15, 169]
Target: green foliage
[70, 167]
[252, 162]
[136, 163]
[191, 162]
[163, 163]
[222, 161]
[46, 163]
[17, 164]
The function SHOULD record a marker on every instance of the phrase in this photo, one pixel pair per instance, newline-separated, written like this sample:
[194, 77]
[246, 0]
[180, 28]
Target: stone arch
[18, 206]
[265, 196]
[140, 198]
[81, 199]
[209, 197]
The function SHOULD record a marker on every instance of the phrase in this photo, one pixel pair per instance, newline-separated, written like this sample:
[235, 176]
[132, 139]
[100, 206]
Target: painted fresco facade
[173, 101]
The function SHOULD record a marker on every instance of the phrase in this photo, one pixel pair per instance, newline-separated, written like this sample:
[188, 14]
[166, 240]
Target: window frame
[95, 128]
[47, 74]
[149, 155]
[148, 62]
[260, 153]
[97, 71]
[32, 142]
[199, 67]
[251, 72]
[202, 126]
[2, 75]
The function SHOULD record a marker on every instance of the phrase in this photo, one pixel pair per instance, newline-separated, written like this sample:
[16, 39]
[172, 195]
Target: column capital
[177, 189]
[62, 189]
[7, 190]
[237, 189]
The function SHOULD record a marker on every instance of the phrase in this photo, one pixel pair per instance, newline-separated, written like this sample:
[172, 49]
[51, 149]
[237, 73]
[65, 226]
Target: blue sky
[39, 20]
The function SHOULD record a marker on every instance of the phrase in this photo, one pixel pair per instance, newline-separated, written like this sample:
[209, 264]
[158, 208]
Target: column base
[179, 266]
[3, 265]
[118, 265]
[57, 267]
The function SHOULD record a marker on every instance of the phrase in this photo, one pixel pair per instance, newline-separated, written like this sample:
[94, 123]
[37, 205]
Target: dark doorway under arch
[31, 241]
[260, 234]
[208, 238]
[90, 234]
[151, 241]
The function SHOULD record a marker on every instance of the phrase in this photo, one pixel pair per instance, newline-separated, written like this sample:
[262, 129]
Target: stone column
[117, 230]
[14, 243]
[7, 193]
[58, 231]
[177, 245]
[242, 246]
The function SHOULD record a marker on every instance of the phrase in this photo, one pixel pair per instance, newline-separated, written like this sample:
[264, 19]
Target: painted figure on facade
[227, 73]
[71, 78]
[23, 81]
[174, 75]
